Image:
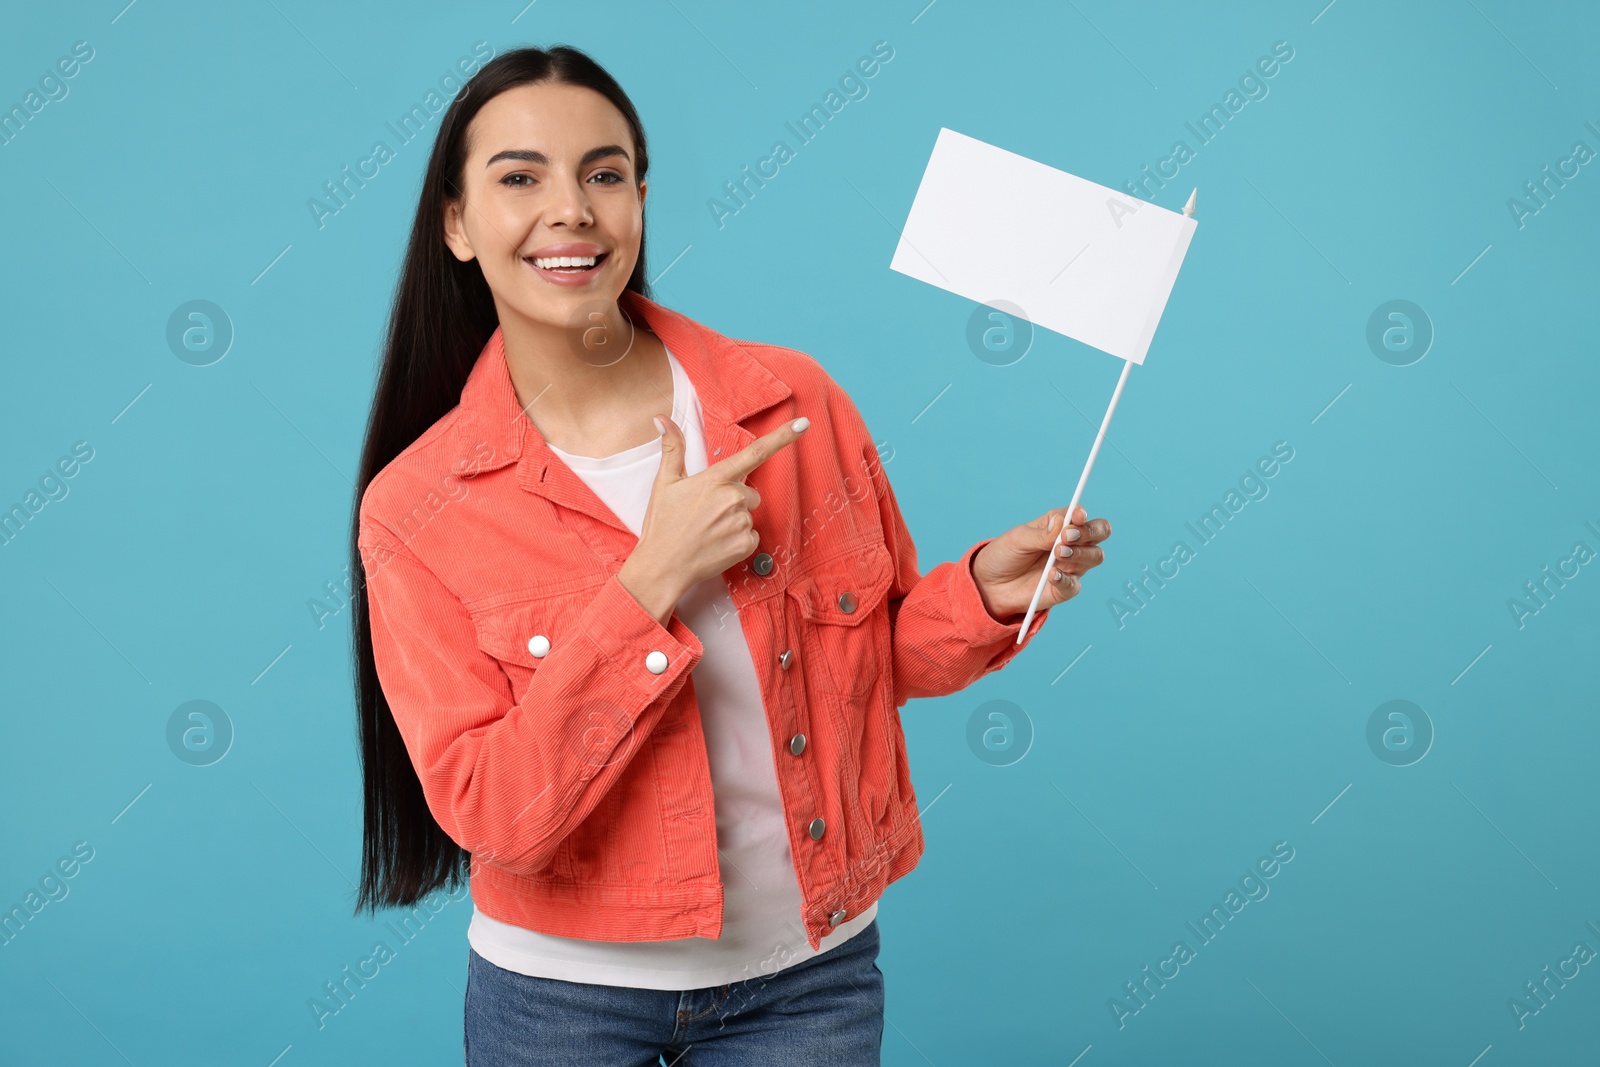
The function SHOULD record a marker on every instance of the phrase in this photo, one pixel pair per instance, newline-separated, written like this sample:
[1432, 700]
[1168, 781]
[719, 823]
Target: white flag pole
[1049, 564]
[1050, 561]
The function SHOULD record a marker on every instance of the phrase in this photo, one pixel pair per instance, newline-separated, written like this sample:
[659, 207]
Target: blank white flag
[1078, 258]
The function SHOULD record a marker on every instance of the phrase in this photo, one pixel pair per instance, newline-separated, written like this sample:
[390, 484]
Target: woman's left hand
[1007, 568]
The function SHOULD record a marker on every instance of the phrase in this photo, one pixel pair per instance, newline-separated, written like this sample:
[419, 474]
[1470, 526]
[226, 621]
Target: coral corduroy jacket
[552, 720]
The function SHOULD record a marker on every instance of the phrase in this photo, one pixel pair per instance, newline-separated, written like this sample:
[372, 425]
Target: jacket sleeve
[509, 780]
[944, 637]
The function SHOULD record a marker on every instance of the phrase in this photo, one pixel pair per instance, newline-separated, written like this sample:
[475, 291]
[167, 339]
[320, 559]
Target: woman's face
[549, 173]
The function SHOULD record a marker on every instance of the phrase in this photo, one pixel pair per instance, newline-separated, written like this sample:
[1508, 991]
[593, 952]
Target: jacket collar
[731, 384]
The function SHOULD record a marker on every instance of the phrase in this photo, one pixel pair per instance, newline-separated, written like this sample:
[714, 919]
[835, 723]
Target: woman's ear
[455, 234]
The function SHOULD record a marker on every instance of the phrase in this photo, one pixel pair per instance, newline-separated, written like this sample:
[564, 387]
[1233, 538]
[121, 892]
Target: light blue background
[1226, 716]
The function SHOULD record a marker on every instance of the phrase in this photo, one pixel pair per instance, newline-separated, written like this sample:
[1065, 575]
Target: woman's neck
[588, 386]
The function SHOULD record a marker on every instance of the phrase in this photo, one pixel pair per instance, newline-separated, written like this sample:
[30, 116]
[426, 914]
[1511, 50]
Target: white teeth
[552, 262]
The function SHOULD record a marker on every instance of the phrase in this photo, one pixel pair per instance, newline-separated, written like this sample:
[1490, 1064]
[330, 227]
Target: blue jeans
[826, 1011]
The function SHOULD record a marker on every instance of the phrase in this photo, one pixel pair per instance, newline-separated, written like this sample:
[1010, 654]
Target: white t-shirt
[761, 922]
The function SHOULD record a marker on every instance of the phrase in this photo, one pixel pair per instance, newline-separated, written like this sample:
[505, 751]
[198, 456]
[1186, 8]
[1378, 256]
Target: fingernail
[1063, 551]
[800, 424]
[1071, 535]
[660, 426]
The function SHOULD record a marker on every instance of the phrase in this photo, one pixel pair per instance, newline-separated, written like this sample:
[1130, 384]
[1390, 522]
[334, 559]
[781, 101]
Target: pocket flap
[865, 572]
[506, 631]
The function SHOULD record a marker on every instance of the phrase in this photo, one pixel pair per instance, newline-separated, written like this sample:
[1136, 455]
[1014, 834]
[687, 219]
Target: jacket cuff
[625, 634]
[972, 620]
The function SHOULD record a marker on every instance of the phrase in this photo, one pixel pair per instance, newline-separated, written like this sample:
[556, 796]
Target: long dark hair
[442, 316]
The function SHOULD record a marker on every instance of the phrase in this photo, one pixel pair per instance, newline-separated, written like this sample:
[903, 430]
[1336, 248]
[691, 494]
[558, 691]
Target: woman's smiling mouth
[568, 266]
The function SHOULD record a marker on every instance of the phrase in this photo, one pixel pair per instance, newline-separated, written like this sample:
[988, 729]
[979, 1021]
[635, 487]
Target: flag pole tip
[1188, 209]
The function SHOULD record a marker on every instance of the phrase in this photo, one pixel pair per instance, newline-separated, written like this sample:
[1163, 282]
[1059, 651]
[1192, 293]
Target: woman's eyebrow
[528, 155]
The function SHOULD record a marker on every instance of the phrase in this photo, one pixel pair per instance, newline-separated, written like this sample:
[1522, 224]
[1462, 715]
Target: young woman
[639, 612]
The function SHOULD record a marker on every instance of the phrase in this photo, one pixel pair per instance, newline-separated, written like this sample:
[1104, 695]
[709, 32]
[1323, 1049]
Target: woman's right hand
[696, 526]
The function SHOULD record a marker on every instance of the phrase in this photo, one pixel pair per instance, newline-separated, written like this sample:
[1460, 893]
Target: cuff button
[656, 662]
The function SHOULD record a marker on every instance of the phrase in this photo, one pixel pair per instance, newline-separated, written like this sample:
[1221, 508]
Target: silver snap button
[847, 602]
[836, 918]
[762, 564]
[817, 826]
[655, 662]
[797, 744]
[539, 645]
[785, 658]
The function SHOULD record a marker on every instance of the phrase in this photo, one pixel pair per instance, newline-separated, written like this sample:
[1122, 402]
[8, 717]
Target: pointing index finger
[763, 448]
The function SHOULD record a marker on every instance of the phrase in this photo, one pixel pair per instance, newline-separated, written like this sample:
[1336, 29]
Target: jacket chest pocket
[520, 633]
[843, 609]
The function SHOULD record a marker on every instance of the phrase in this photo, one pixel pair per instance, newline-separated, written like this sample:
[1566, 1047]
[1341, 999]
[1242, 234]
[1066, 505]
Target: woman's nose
[570, 204]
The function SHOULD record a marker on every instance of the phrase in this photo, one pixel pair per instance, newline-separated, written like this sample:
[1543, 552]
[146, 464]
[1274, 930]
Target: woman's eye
[520, 180]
